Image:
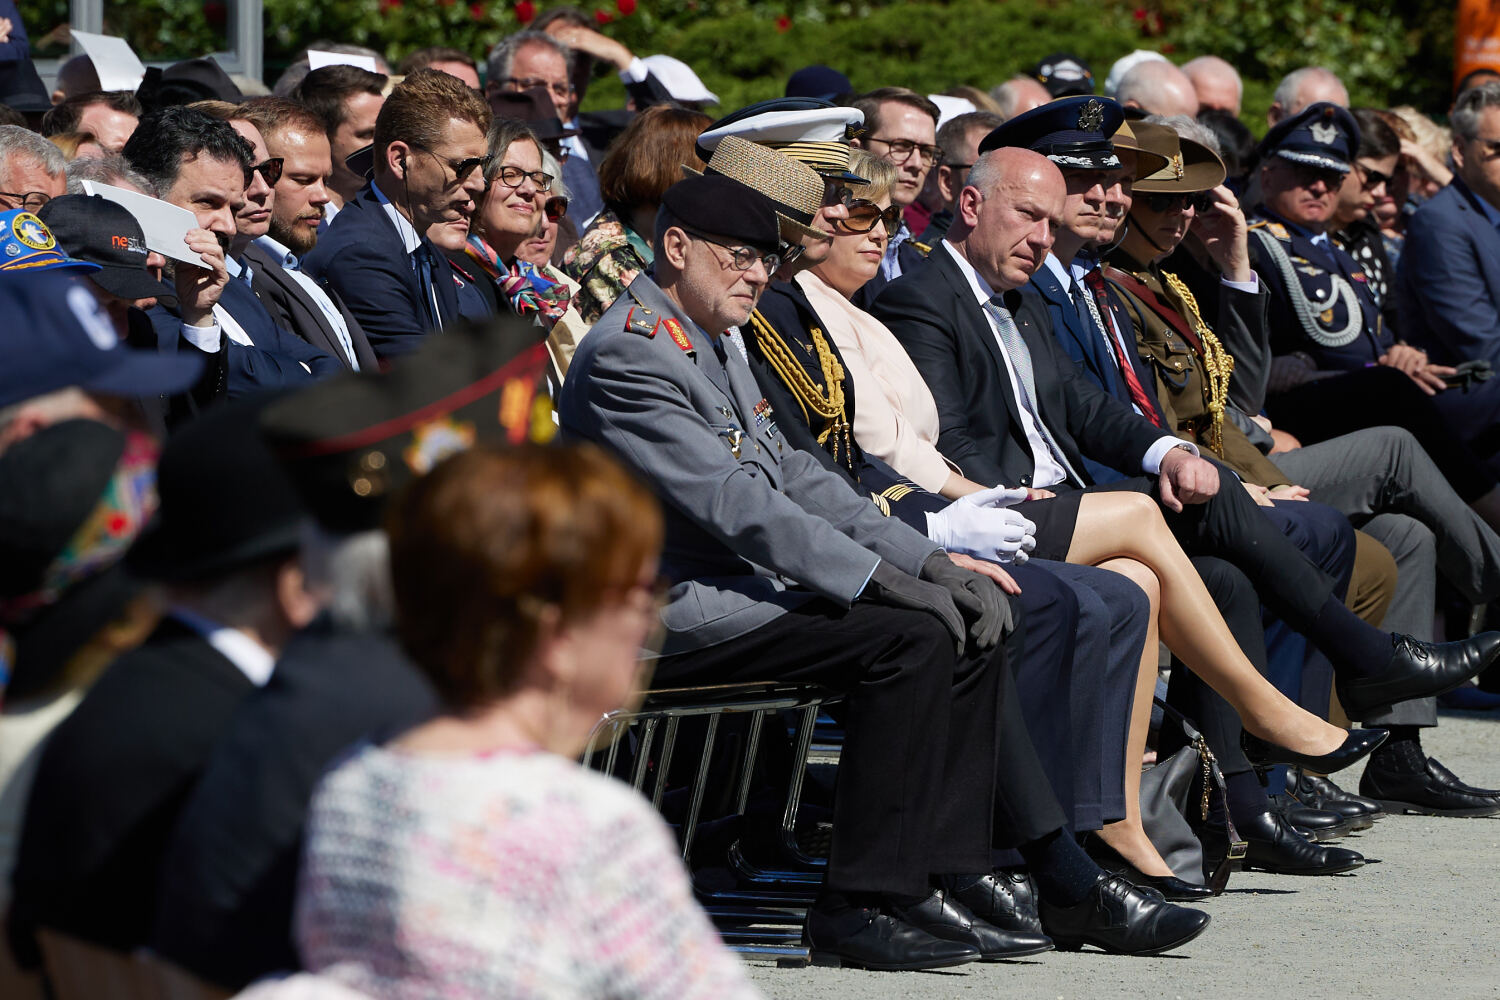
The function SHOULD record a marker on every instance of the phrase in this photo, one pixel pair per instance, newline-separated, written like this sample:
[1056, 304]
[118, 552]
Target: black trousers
[937, 763]
[1234, 528]
[1380, 396]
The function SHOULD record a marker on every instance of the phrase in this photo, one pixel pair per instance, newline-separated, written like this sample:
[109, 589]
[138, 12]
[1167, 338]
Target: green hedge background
[1388, 52]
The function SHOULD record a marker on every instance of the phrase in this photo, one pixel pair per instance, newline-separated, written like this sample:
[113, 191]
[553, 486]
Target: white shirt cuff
[206, 338]
[636, 72]
[1151, 464]
[1252, 286]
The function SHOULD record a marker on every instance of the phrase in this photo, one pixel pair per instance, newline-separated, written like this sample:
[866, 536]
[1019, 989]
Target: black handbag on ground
[1182, 800]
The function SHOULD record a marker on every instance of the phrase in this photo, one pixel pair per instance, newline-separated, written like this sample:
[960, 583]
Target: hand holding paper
[199, 288]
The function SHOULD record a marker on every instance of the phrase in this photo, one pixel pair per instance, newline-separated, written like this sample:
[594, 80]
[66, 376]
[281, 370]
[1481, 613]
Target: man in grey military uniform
[781, 572]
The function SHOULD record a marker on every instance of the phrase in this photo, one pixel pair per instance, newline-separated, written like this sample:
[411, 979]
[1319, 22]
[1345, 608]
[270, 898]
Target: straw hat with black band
[794, 188]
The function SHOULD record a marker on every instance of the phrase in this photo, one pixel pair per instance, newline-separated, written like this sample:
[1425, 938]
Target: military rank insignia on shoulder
[922, 248]
[642, 321]
[679, 336]
[1276, 229]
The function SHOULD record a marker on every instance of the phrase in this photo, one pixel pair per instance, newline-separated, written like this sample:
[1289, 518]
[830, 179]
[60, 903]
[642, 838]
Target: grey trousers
[1385, 483]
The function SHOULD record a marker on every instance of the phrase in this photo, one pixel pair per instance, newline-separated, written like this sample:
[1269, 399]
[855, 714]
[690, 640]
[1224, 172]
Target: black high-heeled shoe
[1356, 746]
[1168, 887]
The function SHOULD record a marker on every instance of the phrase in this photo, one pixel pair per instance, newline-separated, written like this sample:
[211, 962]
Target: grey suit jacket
[755, 527]
[290, 307]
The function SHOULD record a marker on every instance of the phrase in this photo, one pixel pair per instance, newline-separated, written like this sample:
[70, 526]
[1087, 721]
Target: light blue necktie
[1020, 360]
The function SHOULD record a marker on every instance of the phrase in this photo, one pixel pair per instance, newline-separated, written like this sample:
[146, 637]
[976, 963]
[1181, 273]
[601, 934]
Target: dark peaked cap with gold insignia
[1073, 133]
[353, 440]
[1320, 135]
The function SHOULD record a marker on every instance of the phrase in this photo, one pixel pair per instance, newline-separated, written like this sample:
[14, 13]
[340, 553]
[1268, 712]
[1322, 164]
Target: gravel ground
[1418, 923]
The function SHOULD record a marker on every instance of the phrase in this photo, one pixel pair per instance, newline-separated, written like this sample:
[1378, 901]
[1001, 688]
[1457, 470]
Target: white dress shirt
[293, 267]
[1047, 472]
[249, 657]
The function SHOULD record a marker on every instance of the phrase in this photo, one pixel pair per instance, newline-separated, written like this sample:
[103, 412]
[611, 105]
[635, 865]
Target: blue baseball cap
[26, 244]
[57, 335]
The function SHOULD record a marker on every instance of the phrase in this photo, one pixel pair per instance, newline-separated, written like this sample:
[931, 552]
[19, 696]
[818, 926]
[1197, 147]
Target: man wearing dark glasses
[198, 162]
[383, 252]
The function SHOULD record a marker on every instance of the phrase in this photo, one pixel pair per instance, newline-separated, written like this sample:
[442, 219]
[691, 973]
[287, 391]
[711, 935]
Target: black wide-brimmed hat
[349, 442]
[226, 503]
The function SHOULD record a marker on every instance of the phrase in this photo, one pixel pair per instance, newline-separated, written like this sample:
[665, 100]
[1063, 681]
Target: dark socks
[1402, 751]
[1357, 648]
[1064, 875]
[1246, 796]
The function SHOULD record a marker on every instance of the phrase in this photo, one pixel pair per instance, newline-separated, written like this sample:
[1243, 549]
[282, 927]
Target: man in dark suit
[225, 910]
[1014, 410]
[381, 254]
[312, 311]
[116, 772]
[200, 164]
[1448, 284]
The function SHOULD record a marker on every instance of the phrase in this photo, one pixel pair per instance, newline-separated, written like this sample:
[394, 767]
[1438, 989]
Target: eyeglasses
[864, 214]
[901, 150]
[555, 208]
[1369, 178]
[269, 169]
[557, 89]
[742, 258]
[514, 177]
[461, 168]
[1198, 201]
[30, 201]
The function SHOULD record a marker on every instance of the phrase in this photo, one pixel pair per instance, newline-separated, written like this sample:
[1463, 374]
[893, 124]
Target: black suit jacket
[292, 309]
[110, 784]
[225, 909]
[934, 313]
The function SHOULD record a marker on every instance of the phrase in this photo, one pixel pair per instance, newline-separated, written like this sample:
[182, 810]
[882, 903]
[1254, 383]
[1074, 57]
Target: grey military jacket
[754, 527]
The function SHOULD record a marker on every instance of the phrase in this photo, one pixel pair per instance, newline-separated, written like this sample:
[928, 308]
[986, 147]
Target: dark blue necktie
[422, 262]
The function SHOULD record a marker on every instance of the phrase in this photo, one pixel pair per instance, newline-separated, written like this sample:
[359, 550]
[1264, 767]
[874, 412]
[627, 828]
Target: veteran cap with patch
[1073, 132]
[26, 244]
[94, 229]
[1321, 135]
[351, 441]
[1064, 75]
[804, 128]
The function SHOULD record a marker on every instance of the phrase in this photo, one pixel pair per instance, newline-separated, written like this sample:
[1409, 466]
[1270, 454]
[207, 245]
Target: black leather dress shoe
[1120, 918]
[944, 917]
[1321, 793]
[1006, 899]
[1320, 823]
[1356, 746]
[880, 941]
[1417, 669]
[1275, 847]
[1435, 791]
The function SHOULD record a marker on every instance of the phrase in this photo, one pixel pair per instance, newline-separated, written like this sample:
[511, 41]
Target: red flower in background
[783, 23]
[602, 17]
[626, 7]
[386, 6]
[476, 11]
[525, 11]
[1140, 13]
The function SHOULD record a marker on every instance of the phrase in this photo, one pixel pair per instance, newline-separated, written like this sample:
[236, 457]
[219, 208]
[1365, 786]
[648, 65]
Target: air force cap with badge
[804, 128]
[27, 244]
[1321, 135]
[1073, 132]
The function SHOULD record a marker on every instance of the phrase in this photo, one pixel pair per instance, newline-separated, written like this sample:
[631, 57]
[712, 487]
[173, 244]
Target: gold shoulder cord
[1217, 364]
[828, 405]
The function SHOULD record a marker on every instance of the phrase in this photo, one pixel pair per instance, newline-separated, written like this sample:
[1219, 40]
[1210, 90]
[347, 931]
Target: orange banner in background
[1476, 37]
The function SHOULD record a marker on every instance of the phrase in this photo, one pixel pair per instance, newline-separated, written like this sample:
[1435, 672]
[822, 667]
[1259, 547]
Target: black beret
[717, 206]
[351, 441]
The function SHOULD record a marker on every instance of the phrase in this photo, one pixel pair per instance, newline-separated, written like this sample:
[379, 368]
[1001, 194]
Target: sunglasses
[555, 208]
[1198, 201]
[461, 168]
[863, 215]
[1370, 179]
[269, 169]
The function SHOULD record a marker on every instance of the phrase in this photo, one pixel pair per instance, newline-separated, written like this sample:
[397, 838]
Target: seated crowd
[461, 418]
